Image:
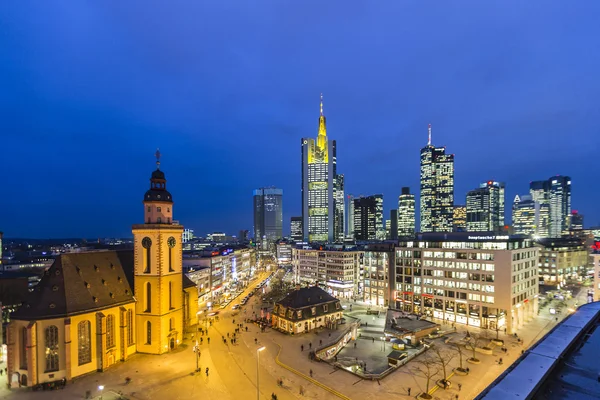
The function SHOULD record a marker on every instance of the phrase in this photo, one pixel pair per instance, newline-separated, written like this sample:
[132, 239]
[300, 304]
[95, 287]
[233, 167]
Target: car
[235, 307]
[212, 314]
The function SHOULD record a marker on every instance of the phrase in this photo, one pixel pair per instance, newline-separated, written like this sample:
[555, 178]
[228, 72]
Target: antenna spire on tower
[429, 130]
[157, 155]
[321, 104]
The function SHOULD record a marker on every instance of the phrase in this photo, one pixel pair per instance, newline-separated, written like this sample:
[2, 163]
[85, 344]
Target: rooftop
[306, 297]
[399, 323]
[81, 282]
[563, 364]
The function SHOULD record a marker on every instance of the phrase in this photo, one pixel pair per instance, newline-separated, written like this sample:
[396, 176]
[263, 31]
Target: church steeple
[158, 202]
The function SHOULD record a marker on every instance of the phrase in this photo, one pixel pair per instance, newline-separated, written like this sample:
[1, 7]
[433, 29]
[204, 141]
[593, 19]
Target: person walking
[459, 386]
[408, 390]
[311, 373]
[206, 371]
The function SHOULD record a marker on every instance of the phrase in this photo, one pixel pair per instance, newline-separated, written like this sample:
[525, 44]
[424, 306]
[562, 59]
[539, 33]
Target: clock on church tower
[158, 270]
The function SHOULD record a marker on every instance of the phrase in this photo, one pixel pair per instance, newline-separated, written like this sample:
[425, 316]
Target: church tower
[158, 271]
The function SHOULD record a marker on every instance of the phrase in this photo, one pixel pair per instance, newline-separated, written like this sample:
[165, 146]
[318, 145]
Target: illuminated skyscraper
[368, 218]
[350, 217]
[485, 208]
[560, 205]
[268, 217]
[406, 213]
[459, 218]
[338, 198]
[540, 194]
[318, 185]
[576, 220]
[437, 188]
[523, 215]
[296, 229]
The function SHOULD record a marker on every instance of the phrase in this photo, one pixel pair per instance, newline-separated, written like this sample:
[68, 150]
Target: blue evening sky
[226, 89]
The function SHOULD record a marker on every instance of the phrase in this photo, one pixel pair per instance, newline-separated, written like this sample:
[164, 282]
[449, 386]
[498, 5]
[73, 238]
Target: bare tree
[475, 341]
[459, 351]
[443, 359]
[426, 367]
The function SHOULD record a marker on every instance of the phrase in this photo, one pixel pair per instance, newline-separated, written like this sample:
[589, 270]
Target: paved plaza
[232, 367]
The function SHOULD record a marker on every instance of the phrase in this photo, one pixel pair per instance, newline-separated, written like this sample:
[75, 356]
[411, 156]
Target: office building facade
[268, 214]
[459, 219]
[485, 208]
[560, 205]
[318, 180]
[377, 270]
[479, 280]
[296, 231]
[393, 224]
[524, 215]
[335, 269]
[540, 194]
[406, 213]
[437, 188]
[350, 217]
[338, 193]
[576, 220]
[368, 218]
[561, 259]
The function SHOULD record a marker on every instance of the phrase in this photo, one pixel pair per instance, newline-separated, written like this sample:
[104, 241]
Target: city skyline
[95, 125]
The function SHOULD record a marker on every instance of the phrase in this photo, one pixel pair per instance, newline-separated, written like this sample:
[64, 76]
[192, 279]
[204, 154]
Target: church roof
[77, 283]
[187, 282]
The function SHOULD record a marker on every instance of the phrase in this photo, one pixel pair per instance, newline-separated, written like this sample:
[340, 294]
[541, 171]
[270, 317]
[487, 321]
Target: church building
[94, 309]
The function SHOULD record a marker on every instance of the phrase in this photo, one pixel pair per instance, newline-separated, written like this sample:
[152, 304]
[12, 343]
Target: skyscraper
[350, 217]
[485, 208]
[394, 224]
[553, 208]
[437, 188]
[406, 213]
[560, 205]
[540, 194]
[524, 215]
[268, 216]
[318, 177]
[380, 227]
[338, 198]
[576, 220]
[459, 218]
[296, 229]
[368, 216]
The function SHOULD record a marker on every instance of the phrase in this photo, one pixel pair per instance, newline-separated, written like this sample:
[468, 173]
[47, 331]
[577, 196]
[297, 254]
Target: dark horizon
[90, 91]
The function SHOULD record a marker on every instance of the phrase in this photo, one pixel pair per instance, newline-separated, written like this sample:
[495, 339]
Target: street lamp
[257, 374]
[101, 389]
[197, 351]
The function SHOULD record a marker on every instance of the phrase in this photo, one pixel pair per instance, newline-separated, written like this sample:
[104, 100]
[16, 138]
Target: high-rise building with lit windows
[338, 199]
[350, 217]
[485, 208]
[540, 194]
[560, 205]
[553, 206]
[318, 185]
[437, 188]
[268, 214]
[523, 215]
[296, 229]
[459, 218]
[406, 213]
[368, 218]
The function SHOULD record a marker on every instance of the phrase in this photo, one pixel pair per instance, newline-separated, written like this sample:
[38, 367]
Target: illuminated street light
[257, 374]
[101, 389]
